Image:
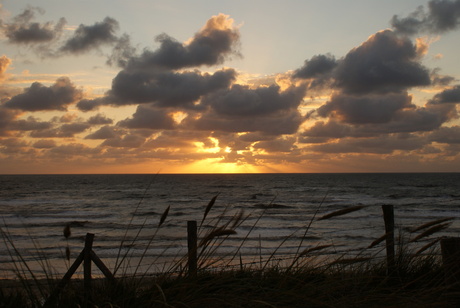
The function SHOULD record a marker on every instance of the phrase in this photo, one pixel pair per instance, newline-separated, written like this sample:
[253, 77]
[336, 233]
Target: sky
[175, 86]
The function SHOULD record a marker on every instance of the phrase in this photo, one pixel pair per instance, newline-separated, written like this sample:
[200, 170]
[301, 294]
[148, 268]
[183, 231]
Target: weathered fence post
[389, 218]
[87, 266]
[450, 249]
[192, 241]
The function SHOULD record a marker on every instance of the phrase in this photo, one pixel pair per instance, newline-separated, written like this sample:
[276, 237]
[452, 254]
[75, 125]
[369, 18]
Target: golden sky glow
[171, 87]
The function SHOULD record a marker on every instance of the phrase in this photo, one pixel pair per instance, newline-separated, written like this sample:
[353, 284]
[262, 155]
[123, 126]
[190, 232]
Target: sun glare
[213, 165]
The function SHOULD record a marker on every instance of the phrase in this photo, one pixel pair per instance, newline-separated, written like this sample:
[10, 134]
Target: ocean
[280, 214]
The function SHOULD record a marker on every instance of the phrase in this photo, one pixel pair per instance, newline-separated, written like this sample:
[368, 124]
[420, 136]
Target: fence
[450, 248]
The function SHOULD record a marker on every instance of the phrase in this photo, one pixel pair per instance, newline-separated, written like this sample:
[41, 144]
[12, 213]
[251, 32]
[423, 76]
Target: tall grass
[305, 279]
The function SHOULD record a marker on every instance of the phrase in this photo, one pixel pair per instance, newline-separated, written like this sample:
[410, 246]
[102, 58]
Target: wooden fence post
[192, 241]
[389, 218]
[450, 249]
[87, 266]
[86, 256]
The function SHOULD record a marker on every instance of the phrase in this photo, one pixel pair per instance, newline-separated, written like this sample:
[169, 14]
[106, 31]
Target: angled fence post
[86, 256]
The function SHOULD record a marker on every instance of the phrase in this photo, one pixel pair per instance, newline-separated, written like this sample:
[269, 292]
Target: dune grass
[416, 280]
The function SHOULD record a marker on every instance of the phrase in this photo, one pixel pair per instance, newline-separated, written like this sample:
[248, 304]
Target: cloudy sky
[145, 86]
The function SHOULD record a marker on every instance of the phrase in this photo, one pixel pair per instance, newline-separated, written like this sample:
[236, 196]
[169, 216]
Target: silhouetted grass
[344, 281]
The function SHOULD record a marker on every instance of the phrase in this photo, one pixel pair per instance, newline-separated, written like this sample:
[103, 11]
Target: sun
[214, 165]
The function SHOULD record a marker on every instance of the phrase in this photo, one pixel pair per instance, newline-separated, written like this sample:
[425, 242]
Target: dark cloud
[149, 117]
[7, 116]
[30, 124]
[441, 80]
[384, 63]
[284, 122]
[73, 149]
[382, 145]
[285, 145]
[165, 89]
[451, 95]
[316, 66]
[64, 131]
[122, 52]
[365, 108]
[99, 119]
[90, 37]
[242, 101]
[242, 109]
[449, 135]
[442, 16]
[39, 97]
[44, 144]
[23, 31]
[105, 132]
[127, 141]
[217, 40]
[421, 119]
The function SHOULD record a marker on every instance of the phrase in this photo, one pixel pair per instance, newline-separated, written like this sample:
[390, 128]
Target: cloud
[39, 97]
[64, 131]
[284, 145]
[164, 88]
[382, 145]
[449, 135]
[86, 38]
[242, 109]
[149, 117]
[384, 63]
[4, 64]
[7, 116]
[44, 144]
[23, 31]
[73, 149]
[216, 41]
[451, 95]
[244, 101]
[127, 141]
[364, 109]
[317, 66]
[99, 119]
[421, 119]
[105, 132]
[442, 16]
[29, 124]
[441, 80]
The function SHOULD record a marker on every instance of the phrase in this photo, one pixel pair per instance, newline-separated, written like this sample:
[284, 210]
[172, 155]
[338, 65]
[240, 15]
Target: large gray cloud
[22, 29]
[7, 116]
[442, 16]
[30, 124]
[39, 97]
[420, 119]
[365, 108]
[382, 145]
[451, 95]
[63, 131]
[267, 110]
[91, 37]
[217, 40]
[149, 117]
[384, 63]
[449, 135]
[164, 88]
[242, 101]
[316, 66]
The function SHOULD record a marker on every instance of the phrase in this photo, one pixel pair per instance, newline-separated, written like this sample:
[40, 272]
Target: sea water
[280, 214]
